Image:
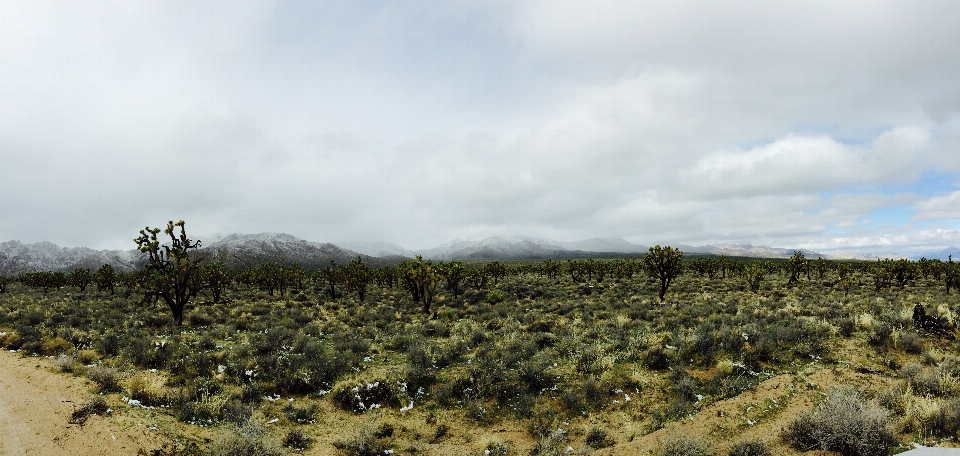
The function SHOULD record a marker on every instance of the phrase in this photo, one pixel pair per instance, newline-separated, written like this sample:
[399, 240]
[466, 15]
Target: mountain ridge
[242, 250]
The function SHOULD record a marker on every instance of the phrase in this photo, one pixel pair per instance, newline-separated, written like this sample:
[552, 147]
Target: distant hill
[939, 254]
[243, 250]
[235, 250]
[17, 257]
[517, 248]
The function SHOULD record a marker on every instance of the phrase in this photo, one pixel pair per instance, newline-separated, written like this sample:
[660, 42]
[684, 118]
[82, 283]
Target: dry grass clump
[149, 388]
[844, 422]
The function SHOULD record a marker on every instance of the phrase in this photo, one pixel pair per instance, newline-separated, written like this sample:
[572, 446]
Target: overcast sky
[824, 125]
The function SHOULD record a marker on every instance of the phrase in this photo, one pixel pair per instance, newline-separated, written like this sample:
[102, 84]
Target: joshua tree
[357, 276]
[796, 265]
[420, 277]
[755, 272]
[215, 279]
[80, 278]
[104, 278]
[170, 273]
[665, 264]
[453, 274]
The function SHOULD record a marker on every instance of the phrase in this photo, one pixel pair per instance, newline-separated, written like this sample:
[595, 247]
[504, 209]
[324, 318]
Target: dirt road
[35, 408]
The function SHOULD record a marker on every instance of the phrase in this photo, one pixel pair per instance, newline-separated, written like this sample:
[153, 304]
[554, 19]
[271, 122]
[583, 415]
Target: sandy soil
[35, 409]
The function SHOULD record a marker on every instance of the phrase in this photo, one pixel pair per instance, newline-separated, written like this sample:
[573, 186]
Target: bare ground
[35, 409]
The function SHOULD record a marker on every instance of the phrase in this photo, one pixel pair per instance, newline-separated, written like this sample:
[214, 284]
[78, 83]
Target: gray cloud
[784, 123]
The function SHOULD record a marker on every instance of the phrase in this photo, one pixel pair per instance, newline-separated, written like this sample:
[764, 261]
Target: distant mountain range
[242, 250]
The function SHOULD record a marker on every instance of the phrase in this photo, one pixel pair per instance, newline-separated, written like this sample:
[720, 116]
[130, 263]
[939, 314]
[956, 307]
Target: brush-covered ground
[527, 365]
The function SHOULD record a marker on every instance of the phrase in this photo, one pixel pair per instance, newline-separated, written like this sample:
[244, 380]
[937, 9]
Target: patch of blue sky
[930, 183]
[888, 215]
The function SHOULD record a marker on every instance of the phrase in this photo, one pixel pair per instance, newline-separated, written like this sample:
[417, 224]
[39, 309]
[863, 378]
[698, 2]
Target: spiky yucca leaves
[665, 264]
[170, 272]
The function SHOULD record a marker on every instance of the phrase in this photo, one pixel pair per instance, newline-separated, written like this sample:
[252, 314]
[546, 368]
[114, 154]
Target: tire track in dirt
[35, 409]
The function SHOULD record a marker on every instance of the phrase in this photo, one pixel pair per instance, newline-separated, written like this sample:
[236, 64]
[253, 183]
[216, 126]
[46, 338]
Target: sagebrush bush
[359, 397]
[106, 378]
[682, 445]
[844, 422]
[248, 439]
[365, 443]
[599, 438]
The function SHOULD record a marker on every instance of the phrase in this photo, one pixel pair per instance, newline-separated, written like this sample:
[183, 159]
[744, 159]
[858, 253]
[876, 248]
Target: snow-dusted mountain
[378, 249]
[239, 250]
[611, 245]
[242, 250]
[17, 257]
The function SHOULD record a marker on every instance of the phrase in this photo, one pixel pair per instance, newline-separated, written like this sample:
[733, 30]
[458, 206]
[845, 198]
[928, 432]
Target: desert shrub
[846, 327]
[656, 358]
[551, 444]
[64, 363]
[544, 419]
[844, 423]
[599, 438]
[106, 378]
[946, 422]
[248, 439]
[108, 344]
[496, 447]
[297, 440]
[55, 346]
[749, 448]
[881, 338]
[361, 396]
[305, 414]
[910, 342]
[235, 412]
[148, 388]
[86, 357]
[681, 445]
[366, 443]
[11, 341]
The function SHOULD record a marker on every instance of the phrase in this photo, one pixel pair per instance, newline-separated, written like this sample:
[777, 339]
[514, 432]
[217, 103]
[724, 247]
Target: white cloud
[945, 207]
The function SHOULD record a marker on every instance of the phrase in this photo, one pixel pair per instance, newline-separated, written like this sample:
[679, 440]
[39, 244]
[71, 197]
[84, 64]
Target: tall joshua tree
[665, 264]
[170, 272]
